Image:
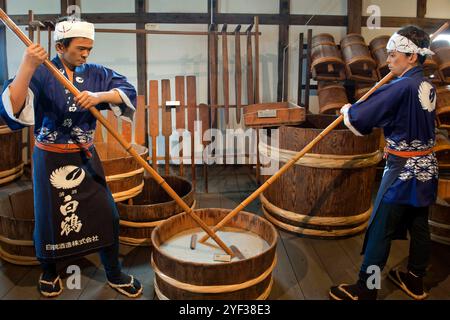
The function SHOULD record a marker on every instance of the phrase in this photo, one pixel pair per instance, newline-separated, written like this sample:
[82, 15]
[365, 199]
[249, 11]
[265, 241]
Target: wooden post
[205, 121]
[153, 119]
[213, 72]
[179, 117]
[283, 53]
[250, 86]
[238, 71]
[166, 122]
[192, 117]
[300, 69]
[421, 8]
[308, 69]
[354, 16]
[141, 50]
[225, 75]
[256, 22]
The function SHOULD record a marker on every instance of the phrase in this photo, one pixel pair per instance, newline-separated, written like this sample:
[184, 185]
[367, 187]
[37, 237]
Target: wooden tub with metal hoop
[124, 175]
[11, 164]
[183, 275]
[328, 193]
[140, 215]
[17, 226]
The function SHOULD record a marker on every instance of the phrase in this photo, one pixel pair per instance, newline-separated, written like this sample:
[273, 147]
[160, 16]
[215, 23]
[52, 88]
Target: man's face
[399, 62]
[77, 52]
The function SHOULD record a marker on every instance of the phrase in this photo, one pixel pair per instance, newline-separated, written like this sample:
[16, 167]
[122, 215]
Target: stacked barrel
[440, 213]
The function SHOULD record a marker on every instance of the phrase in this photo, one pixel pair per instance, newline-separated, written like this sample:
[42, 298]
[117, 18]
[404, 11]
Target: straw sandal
[357, 291]
[50, 289]
[408, 283]
[132, 289]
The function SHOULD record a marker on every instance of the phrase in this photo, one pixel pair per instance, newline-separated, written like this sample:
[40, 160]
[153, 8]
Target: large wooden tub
[184, 274]
[124, 175]
[140, 215]
[328, 193]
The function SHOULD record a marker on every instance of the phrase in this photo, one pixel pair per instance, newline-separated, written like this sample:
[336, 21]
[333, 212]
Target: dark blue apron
[393, 168]
[73, 206]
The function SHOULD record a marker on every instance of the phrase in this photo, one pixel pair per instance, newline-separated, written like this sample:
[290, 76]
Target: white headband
[74, 29]
[402, 44]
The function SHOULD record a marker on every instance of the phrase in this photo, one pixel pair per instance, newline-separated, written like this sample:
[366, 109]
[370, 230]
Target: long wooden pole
[161, 32]
[302, 152]
[127, 146]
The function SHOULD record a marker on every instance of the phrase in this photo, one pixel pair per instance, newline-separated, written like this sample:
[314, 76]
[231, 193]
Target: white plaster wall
[403, 8]
[177, 6]
[38, 7]
[248, 6]
[323, 7]
[94, 6]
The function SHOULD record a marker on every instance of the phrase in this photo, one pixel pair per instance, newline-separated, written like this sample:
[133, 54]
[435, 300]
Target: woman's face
[399, 62]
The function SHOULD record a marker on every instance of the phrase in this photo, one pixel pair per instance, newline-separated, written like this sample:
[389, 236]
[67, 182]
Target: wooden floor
[306, 267]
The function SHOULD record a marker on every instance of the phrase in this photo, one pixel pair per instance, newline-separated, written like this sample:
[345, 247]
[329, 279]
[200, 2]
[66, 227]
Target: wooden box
[263, 115]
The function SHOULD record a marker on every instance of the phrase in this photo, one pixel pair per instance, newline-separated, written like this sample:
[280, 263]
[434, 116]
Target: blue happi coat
[52, 110]
[405, 109]
[75, 211]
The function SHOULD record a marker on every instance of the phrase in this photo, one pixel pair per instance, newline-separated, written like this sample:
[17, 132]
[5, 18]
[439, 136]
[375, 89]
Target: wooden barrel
[150, 208]
[443, 106]
[327, 63]
[442, 150]
[332, 96]
[359, 64]
[361, 88]
[17, 226]
[378, 48]
[430, 69]
[441, 48]
[328, 192]
[439, 219]
[11, 164]
[183, 275]
[124, 175]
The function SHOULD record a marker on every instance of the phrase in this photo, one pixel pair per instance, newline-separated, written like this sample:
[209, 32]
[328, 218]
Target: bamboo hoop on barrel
[302, 152]
[126, 145]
